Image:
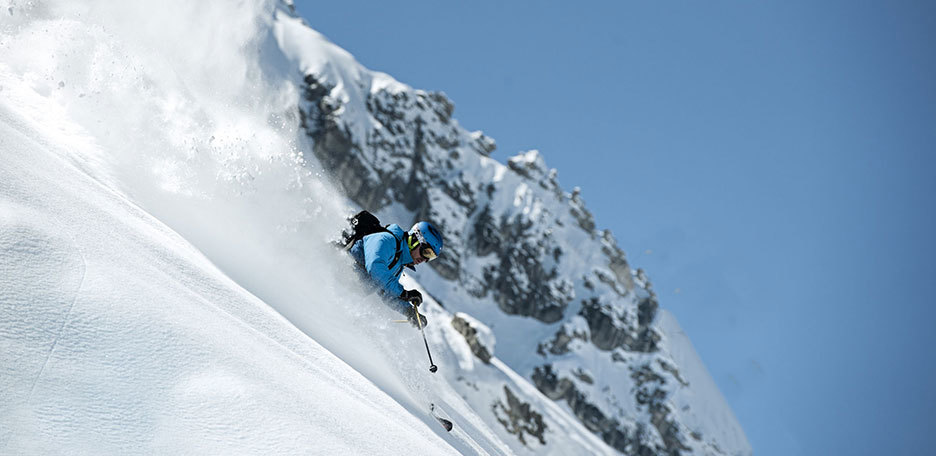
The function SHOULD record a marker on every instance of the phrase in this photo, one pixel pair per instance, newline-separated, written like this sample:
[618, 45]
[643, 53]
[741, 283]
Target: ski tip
[446, 424]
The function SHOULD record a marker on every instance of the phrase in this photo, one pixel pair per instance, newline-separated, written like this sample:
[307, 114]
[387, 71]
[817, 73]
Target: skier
[381, 256]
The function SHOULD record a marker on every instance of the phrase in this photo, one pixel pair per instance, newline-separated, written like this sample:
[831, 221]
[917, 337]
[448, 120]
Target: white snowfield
[118, 337]
[166, 282]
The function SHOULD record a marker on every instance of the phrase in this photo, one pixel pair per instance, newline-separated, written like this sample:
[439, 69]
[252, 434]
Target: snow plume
[188, 109]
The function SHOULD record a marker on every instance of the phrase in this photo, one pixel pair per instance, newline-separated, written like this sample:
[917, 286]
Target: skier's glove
[413, 296]
[411, 316]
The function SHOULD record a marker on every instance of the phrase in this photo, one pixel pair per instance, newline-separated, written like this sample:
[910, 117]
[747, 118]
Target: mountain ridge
[399, 151]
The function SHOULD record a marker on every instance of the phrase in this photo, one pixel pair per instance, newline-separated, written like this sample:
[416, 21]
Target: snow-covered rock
[479, 337]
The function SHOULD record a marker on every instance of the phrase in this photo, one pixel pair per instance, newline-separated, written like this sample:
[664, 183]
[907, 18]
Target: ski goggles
[427, 253]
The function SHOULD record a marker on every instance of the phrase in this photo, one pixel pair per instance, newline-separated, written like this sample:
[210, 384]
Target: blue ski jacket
[374, 255]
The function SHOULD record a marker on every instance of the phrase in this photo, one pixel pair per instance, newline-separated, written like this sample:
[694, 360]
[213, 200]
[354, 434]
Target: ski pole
[432, 367]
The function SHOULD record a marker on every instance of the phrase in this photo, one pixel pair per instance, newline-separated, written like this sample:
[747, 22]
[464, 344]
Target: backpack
[362, 224]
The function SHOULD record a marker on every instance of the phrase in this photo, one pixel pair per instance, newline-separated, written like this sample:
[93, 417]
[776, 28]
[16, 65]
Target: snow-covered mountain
[170, 175]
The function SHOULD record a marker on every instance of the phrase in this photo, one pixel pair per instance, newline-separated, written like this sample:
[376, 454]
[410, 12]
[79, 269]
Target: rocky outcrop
[611, 327]
[577, 208]
[617, 262]
[519, 418]
[559, 344]
[626, 438]
[521, 281]
[652, 395]
[612, 431]
[532, 166]
[465, 328]
[334, 146]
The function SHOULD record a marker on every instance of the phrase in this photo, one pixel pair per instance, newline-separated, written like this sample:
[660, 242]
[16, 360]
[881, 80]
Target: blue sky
[771, 165]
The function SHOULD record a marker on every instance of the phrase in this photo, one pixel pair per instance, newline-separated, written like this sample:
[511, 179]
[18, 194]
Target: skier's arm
[378, 253]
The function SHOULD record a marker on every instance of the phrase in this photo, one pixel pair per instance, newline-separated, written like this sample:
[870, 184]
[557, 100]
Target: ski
[447, 424]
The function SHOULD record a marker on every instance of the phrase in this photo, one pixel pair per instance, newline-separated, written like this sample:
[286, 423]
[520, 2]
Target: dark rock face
[521, 281]
[559, 344]
[531, 166]
[471, 336]
[672, 371]
[617, 262]
[611, 430]
[606, 333]
[585, 218]
[519, 418]
[334, 146]
[652, 395]
[611, 328]
[486, 237]
[624, 438]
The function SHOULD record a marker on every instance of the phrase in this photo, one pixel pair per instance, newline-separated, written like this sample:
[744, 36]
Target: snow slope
[118, 337]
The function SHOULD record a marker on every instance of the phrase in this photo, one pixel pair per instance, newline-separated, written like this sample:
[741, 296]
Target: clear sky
[772, 165]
